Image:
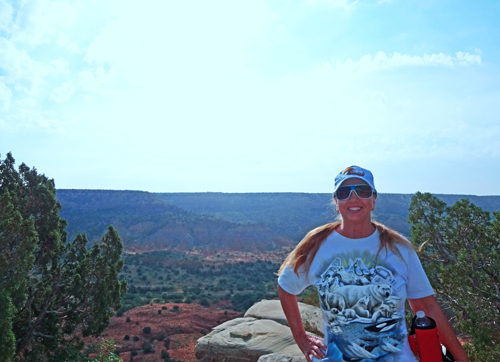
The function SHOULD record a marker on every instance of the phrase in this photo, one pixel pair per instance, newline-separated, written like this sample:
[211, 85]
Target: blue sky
[253, 96]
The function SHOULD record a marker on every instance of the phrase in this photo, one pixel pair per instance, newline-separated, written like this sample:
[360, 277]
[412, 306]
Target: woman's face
[354, 209]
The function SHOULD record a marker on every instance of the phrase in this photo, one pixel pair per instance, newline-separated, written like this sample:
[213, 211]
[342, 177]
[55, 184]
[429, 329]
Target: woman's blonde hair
[306, 250]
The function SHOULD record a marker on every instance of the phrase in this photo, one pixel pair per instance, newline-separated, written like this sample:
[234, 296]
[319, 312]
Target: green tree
[105, 352]
[460, 250]
[49, 287]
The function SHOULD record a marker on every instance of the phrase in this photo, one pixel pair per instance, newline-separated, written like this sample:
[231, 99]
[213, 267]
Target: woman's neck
[355, 231]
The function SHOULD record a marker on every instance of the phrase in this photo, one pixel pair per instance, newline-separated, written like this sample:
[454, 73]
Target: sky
[253, 96]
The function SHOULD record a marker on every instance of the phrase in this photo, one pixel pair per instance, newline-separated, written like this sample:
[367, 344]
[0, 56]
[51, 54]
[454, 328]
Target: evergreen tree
[460, 251]
[49, 287]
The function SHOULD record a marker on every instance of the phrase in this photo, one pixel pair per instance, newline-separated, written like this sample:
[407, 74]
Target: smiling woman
[364, 273]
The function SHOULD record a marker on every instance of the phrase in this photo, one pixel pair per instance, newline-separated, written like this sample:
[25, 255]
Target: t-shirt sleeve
[418, 285]
[291, 282]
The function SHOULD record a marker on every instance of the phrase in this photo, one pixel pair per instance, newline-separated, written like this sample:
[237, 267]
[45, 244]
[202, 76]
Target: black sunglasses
[362, 191]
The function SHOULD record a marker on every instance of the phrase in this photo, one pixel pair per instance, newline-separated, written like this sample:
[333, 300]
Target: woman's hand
[310, 345]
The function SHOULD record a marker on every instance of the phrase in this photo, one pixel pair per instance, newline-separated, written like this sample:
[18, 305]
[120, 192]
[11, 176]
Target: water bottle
[424, 339]
[422, 320]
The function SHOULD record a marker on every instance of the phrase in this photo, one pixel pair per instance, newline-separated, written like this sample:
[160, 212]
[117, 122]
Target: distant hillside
[232, 221]
[147, 223]
[294, 214]
[289, 214]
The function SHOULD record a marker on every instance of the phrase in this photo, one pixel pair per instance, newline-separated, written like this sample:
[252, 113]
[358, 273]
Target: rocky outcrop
[271, 309]
[262, 335]
[245, 340]
[278, 357]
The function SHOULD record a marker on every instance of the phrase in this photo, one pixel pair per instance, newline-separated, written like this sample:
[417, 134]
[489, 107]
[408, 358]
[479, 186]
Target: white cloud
[374, 99]
[97, 78]
[64, 40]
[344, 4]
[44, 121]
[5, 16]
[175, 41]
[62, 93]
[23, 116]
[73, 48]
[60, 66]
[466, 58]
[382, 61]
[21, 71]
[38, 21]
[5, 96]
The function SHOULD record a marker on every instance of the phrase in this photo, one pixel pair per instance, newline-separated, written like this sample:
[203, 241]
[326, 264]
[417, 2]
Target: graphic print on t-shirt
[361, 309]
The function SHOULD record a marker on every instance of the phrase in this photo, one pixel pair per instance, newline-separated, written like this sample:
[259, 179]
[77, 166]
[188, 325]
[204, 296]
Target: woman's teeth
[354, 208]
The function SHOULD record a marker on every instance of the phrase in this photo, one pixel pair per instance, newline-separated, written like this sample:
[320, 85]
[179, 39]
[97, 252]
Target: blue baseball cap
[354, 172]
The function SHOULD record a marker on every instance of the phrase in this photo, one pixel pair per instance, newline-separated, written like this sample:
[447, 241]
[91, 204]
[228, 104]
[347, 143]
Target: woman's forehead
[354, 181]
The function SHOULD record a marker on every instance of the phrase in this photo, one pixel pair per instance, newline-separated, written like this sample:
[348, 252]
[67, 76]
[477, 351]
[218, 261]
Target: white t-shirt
[362, 298]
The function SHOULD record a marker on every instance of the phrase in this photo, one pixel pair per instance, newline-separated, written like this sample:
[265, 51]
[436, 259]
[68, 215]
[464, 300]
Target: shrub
[133, 353]
[128, 319]
[204, 303]
[459, 249]
[146, 330]
[135, 338]
[159, 311]
[311, 297]
[164, 354]
[167, 343]
[148, 349]
[127, 337]
[175, 308]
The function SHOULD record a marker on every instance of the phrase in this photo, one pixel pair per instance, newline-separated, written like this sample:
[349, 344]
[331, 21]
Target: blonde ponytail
[391, 239]
[306, 250]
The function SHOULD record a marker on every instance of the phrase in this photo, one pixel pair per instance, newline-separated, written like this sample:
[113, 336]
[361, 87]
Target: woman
[364, 272]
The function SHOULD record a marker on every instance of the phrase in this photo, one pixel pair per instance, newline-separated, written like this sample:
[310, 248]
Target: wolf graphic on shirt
[360, 308]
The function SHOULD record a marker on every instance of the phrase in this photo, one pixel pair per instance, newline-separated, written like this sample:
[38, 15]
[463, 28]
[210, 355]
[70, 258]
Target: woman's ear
[336, 203]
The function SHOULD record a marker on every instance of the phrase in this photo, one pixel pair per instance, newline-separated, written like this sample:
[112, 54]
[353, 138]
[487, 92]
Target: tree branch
[21, 344]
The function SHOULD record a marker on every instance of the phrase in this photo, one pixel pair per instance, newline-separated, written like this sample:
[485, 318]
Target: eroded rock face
[262, 335]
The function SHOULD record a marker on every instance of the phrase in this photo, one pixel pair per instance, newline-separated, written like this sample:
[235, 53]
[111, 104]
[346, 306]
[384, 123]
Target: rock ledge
[262, 335]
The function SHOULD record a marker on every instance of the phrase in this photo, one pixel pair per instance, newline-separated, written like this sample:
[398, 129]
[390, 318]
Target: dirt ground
[174, 331]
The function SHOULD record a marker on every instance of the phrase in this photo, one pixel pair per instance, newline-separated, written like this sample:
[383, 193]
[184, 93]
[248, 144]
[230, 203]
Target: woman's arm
[446, 335]
[308, 344]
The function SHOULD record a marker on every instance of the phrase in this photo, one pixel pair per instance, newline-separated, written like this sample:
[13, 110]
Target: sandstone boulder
[278, 357]
[271, 309]
[262, 335]
[246, 340]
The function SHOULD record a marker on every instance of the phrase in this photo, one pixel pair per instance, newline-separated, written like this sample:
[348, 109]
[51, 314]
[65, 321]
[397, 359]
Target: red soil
[180, 329]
